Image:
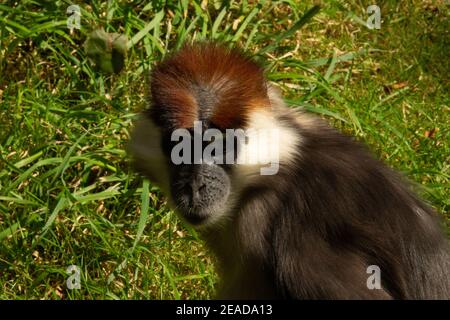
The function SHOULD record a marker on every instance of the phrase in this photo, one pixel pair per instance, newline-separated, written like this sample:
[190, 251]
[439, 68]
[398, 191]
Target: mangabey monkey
[311, 230]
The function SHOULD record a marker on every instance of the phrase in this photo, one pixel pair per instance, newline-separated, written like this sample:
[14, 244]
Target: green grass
[67, 193]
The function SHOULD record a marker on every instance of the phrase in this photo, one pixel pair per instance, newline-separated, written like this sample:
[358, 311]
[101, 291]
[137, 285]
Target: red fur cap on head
[207, 82]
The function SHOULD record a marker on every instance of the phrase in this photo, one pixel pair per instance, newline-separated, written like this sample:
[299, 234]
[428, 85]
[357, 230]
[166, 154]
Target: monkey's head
[203, 95]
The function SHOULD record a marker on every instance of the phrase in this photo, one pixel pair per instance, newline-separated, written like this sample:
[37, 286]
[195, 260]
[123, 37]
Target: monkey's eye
[212, 147]
[167, 145]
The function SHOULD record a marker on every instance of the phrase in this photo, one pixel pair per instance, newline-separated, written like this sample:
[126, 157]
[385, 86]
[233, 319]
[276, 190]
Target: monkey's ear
[275, 96]
[147, 155]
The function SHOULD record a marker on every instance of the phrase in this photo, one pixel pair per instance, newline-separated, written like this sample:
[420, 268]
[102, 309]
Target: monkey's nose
[197, 187]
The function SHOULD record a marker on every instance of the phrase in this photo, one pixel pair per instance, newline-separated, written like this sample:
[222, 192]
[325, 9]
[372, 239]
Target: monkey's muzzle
[199, 190]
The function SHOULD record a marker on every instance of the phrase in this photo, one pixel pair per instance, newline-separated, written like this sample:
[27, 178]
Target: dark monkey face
[199, 187]
[197, 190]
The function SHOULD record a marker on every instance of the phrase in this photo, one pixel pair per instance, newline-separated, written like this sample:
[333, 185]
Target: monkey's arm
[315, 270]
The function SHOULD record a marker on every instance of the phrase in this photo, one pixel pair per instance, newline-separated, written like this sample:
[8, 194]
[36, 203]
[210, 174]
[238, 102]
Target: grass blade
[138, 36]
[59, 206]
[300, 23]
[145, 201]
